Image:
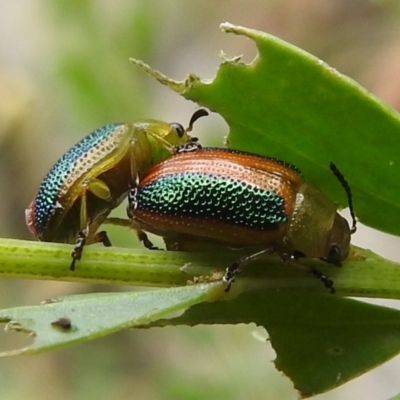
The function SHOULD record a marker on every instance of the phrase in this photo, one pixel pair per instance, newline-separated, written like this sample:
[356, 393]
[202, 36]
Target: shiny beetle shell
[241, 200]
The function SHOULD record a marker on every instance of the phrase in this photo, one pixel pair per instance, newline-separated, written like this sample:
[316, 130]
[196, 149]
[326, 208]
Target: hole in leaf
[9, 340]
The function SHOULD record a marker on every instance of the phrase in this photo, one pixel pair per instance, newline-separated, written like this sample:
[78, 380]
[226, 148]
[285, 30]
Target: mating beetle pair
[213, 195]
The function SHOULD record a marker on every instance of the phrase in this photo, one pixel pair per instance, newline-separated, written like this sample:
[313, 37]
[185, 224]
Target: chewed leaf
[321, 342]
[75, 319]
[291, 105]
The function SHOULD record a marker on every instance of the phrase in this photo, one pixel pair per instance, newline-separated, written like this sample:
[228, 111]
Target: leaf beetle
[94, 177]
[241, 200]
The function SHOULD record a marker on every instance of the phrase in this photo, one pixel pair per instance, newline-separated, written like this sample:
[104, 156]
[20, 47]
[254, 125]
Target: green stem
[50, 261]
[363, 275]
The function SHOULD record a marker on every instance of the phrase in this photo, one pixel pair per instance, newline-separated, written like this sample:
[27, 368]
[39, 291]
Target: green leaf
[292, 305]
[75, 319]
[321, 341]
[291, 105]
[286, 104]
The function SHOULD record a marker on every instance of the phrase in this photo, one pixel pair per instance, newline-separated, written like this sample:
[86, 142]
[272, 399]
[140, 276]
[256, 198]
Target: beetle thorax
[311, 222]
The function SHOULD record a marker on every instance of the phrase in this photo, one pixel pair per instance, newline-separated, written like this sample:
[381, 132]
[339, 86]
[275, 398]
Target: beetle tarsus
[99, 237]
[72, 266]
[187, 147]
[132, 202]
[146, 241]
[236, 268]
[230, 275]
[229, 278]
[228, 284]
[102, 237]
[327, 282]
[78, 248]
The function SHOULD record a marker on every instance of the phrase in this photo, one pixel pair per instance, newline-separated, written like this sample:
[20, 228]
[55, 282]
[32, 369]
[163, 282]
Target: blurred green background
[64, 71]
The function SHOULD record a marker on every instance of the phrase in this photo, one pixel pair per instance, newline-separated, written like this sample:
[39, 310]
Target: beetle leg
[118, 222]
[328, 283]
[97, 187]
[101, 190]
[83, 239]
[84, 231]
[142, 236]
[99, 237]
[287, 255]
[132, 203]
[77, 252]
[188, 147]
[237, 266]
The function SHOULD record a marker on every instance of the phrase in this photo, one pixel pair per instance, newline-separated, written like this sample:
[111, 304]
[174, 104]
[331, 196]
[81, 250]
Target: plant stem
[365, 274]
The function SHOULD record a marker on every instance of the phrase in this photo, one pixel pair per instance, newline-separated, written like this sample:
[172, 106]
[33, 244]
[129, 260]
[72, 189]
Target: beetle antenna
[339, 176]
[201, 112]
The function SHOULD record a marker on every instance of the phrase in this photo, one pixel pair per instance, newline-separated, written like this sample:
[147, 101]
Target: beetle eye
[178, 128]
[334, 256]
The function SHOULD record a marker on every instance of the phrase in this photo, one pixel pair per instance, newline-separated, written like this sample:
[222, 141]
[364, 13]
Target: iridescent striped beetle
[94, 177]
[241, 200]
